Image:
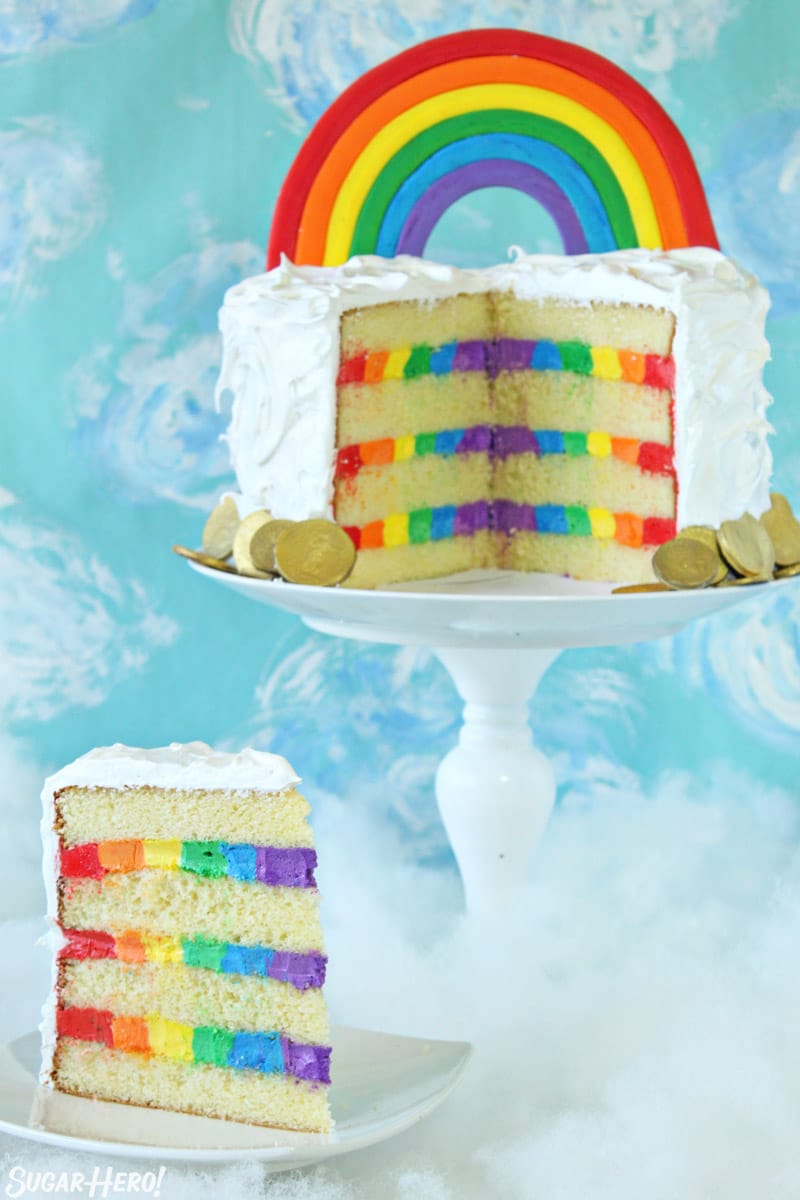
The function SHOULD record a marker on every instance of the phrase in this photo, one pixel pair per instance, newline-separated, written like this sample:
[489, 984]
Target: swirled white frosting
[281, 355]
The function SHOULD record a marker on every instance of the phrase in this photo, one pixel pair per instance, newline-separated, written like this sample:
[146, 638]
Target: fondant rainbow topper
[490, 108]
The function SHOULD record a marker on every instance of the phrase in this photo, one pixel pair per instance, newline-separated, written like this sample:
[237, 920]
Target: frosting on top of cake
[180, 766]
[281, 353]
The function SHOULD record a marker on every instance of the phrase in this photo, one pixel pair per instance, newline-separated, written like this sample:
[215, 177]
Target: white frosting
[177, 766]
[281, 355]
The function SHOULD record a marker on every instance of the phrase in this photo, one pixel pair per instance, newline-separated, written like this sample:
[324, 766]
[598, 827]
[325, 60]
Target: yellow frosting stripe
[405, 447]
[396, 363]
[163, 949]
[606, 363]
[395, 530]
[171, 1038]
[602, 522]
[165, 854]
[598, 444]
[398, 132]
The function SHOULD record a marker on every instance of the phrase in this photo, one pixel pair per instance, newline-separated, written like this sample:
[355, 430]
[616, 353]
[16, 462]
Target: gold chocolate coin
[205, 560]
[315, 551]
[708, 536]
[241, 544]
[630, 588]
[262, 544]
[220, 528]
[746, 545]
[788, 572]
[744, 580]
[685, 563]
[783, 529]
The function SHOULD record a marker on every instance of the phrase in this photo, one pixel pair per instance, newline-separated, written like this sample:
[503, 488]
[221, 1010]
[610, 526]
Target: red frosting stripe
[657, 530]
[87, 944]
[85, 1024]
[81, 862]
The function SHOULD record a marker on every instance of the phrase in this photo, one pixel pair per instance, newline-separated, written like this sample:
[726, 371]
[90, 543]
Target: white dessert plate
[492, 609]
[383, 1083]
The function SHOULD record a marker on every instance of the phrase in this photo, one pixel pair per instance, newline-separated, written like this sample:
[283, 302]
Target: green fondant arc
[493, 120]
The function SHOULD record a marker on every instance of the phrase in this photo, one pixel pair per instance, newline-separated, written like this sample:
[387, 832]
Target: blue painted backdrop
[142, 144]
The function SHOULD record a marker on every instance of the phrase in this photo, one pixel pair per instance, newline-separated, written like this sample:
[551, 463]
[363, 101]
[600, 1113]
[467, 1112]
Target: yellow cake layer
[623, 326]
[178, 904]
[408, 323]
[196, 996]
[424, 482]
[579, 557]
[397, 407]
[87, 1069]
[426, 561]
[259, 818]
[578, 403]
[587, 481]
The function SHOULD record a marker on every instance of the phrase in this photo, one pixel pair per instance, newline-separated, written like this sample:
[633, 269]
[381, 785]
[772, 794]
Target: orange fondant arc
[505, 69]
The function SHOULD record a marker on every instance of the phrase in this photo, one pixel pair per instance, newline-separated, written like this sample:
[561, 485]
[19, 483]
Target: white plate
[382, 1084]
[492, 609]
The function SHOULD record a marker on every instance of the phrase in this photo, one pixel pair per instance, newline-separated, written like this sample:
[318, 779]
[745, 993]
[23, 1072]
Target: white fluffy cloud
[143, 407]
[309, 52]
[69, 629]
[51, 198]
[34, 26]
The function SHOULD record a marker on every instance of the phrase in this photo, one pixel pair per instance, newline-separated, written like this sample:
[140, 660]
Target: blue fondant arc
[571, 186]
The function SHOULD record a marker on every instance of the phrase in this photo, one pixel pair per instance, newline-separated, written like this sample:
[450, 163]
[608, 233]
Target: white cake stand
[496, 633]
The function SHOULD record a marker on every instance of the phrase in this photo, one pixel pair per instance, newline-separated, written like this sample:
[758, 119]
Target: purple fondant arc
[497, 172]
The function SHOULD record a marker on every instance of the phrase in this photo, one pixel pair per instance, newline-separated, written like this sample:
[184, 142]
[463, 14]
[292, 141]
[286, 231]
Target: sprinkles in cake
[189, 958]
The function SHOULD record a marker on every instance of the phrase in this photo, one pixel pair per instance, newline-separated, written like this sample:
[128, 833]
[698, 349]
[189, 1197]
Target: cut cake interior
[190, 957]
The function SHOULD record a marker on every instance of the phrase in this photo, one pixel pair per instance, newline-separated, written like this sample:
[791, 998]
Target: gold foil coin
[708, 536]
[746, 545]
[685, 563]
[788, 572]
[241, 544]
[783, 530]
[745, 581]
[630, 588]
[220, 529]
[205, 560]
[316, 552]
[262, 544]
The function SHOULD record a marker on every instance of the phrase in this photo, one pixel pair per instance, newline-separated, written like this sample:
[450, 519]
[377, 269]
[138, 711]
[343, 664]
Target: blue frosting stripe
[246, 960]
[441, 360]
[241, 859]
[257, 1052]
[551, 518]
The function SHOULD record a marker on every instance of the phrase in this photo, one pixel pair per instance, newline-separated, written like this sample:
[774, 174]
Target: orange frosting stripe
[633, 366]
[626, 449]
[130, 948]
[375, 366]
[451, 76]
[378, 453]
[121, 856]
[372, 536]
[130, 1033]
[629, 530]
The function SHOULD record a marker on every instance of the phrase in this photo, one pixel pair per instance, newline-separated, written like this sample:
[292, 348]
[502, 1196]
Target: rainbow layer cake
[557, 414]
[189, 957]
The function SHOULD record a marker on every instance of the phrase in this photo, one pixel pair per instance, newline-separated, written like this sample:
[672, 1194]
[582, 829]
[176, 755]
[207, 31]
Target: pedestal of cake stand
[496, 633]
[495, 790]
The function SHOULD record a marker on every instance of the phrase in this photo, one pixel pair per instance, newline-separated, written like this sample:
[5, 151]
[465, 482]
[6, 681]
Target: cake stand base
[496, 633]
[495, 790]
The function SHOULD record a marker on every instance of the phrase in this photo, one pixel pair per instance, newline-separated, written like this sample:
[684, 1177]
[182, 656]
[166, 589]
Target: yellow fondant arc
[371, 161]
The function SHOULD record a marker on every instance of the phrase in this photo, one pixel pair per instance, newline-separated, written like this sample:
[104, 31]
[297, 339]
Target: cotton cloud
[308, 53]
[51, 198]
[755, 196]
[143, 406]
[34, 26]
[69, 629]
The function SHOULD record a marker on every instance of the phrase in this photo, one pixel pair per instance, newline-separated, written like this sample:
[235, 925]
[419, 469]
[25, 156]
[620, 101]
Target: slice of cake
[557, 414]
[189, 957]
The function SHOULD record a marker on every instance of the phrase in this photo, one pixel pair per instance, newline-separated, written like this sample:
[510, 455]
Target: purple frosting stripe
[514, 439]
[470, 518]
[470, 356]
[312, 1063]
[476, 439]
[292, 867]
[303, 971]
[508, 517]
